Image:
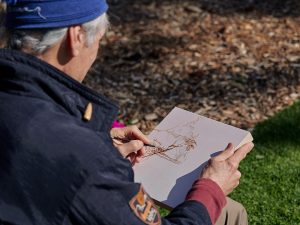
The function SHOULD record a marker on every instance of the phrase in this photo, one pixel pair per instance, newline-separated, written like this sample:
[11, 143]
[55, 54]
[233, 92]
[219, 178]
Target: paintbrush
[125, 140]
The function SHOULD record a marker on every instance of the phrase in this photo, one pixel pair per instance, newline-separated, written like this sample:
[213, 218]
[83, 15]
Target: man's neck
[58, 58]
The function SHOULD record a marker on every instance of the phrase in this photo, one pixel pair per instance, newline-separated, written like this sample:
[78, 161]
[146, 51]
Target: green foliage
[163, 212]
[270, 185]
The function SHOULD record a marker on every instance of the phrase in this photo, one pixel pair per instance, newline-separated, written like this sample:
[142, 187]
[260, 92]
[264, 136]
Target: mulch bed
[236, 61]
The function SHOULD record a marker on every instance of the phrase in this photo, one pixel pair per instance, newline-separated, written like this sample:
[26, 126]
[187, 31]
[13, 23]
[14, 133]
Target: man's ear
[76, 40]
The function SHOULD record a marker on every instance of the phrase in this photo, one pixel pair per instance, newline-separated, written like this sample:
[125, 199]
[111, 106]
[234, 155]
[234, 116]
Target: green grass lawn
[270, 185]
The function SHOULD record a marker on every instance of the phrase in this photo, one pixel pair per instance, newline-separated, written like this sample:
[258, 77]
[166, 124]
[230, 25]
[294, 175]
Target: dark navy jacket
[56, 168]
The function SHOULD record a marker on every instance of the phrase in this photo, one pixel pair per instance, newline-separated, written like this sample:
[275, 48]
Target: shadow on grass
[283, 128]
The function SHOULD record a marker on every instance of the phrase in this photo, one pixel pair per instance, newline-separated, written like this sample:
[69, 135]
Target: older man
[58, 164]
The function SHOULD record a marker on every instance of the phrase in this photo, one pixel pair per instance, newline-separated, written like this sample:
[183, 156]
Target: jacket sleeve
[209, 194]
[104, 200]
[109, 196]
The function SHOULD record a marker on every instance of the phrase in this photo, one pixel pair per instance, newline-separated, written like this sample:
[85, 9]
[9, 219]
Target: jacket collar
[27, 75]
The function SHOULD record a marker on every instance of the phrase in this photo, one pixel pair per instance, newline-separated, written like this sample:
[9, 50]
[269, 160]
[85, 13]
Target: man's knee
[234, 213]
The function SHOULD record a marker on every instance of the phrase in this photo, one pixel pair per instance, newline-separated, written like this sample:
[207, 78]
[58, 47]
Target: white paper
[192, 140]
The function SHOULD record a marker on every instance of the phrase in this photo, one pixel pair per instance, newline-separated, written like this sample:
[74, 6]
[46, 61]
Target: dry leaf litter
[234, 61]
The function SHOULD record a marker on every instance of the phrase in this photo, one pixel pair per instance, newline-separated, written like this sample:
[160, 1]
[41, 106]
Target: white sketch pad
[167, 178]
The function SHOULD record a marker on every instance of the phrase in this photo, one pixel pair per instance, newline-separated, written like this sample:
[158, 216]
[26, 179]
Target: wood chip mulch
[236, 61]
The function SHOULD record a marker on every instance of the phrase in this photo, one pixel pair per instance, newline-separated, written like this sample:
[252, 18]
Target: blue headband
[28, 14]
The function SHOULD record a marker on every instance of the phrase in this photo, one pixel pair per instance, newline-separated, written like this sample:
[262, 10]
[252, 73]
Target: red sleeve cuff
[210, 195]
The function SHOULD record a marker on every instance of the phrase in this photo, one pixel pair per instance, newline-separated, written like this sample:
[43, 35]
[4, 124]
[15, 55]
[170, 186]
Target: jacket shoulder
[51, 154]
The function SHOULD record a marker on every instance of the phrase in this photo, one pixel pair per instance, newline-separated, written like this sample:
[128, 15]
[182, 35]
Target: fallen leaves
[239, 68]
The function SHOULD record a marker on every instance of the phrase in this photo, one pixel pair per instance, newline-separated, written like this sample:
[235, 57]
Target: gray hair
[37, 41]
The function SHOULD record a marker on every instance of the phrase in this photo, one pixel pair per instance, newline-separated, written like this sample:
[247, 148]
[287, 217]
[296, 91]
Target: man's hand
[133, 149]
[223, 169]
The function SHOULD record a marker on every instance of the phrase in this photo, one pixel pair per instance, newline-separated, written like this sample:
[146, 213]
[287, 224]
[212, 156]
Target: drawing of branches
[181, 146]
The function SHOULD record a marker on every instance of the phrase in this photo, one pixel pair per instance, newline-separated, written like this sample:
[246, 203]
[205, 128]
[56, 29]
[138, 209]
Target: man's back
[47, 150]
